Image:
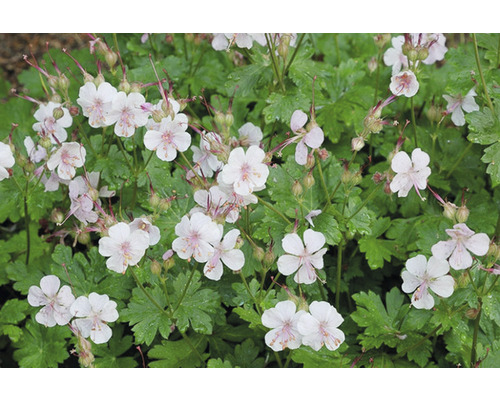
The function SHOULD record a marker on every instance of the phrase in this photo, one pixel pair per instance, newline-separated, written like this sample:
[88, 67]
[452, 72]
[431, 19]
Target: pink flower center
[284, 336]
[126, 251]
[68, 159]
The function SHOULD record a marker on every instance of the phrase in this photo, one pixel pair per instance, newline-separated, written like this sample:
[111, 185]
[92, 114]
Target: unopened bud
[55, 98]
[52, 81]
[269, 258]
[387, 187]
[357, 143]
[462, 214]
[297, 188]
[229, 120]
[450, 210]
[29, 167]
[21, 160]
[164, 204]
[220, 118]
[58, 113]
[422, 53]
[156, 268]
[308, 181]
[472, 313]
[87, 77]
[45, 143]
[433, 113]
[377, 177]
[56, 216]
[310, 161]
[492, 250]
[356, 179]
[258, 253]
[323, 154]
[99, 79]
[189, 37]
[346, 176]
[154, 200]
[239, 243]
[382, 39]
[158, 115]
[463, 280]
[84, 238]
[412, 55]
[111, 58]
[372, 65]
[93, 193]
[74, 111]
[267, 158]
[124, 86]
[85, 356]
[63, 82]
[136, 87]
[407, 47]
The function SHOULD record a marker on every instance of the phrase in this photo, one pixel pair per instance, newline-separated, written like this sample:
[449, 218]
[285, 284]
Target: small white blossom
[312, 138]
[123, 247]
[146, 225]
[82, 206]
[249, 135]
[458, 104]
[246, 172]
[420, 276]
[126, 113]
[68, 157]
[462, 241]
[196, 236]
[320, 326]
[215, 203]
[304, 260]
[35, 154]
[6, 160]
[223, 41]
[311, 215]
[50, 127]
[56, 301]
[283, 320]
[92, 315]
[169, 137]
[394, 56]
[224, 252]
[52, 183]
[96, 102]
[404, 84]
[410, 173]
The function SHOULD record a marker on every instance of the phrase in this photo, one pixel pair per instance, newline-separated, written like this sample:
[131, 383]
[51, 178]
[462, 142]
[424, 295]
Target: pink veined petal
[298, 120]
[460, 258]
[182, 140]
[219, 42]
[335, 338]
[426, 301]
[420, 159]
[316, 259]
[230, 239]
[292, 244]
[50, 285]
[116, 263]
[272, 318]
[46, 317]
[100, 332]
[181, 247]
[255, 155]
[469, 104]
[417, 265]
[120, 232]
[81, 307]
[305, 274]
[313, 240]
[65, 296]
[287, 309]
[437, 267]
[314, 138]
[288, 264]
[183, 228]
[244, 40]
[213, 272]
[301, 153]
[233, 259]
[391, 57]
[401, 162]
[443, 286]
[478, 244]
[410, 282]
[152, 140]
[236, 157]
[203, 252]
[243, 188]
[98, 301]
[443, 249]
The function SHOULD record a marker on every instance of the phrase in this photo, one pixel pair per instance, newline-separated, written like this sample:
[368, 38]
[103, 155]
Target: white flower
[319, 326]
[422, 276]
[250, 135]
[314, 138]
[203, 156]
[6, 160]
[195, 237]
[404, 83]
[169, 137]
[311, 215]
[394, 56]
[145, 225]
[173, 107]
[35, 154]
[81, 204]
[56, 301]
[304, 260]
[246, 172]
[283, 320]
[52, 183]
[214, 203]
[92, 315]
[435, 43]
[223, 41]
[462, 241]
[123, 247]
[50, 127]
[224, 252]
[68, 157]
[410, 173]
[233, 198]
[127, 113]
[96, 102]
[458, 104]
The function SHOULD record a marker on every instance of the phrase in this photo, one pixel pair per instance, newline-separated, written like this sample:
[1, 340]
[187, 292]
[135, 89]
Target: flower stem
[272, 208]
[339, 275]
[368, 198]
[120, 145]
[459, 160]
[299, 43]
[288, 359]
[485, 89]
[322, 178]
[413, 121]
[151, 299]
[192, 169]
[473, 354]
[271, 47]
[492, 285]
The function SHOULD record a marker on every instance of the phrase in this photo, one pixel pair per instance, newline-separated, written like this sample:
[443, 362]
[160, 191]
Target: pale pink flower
[50, 127]
[224, 252]
[246, 172]
[123, 247]
[146, 225]
[458, 104]
[462, 241]
[304, 260]
[196, 236]
[173, 106]
[215, 203]
[82, 206]
[203, 156]
[126, 113]
[6, 160]
[312, 138]
[92, 315]
[311, 215]
[66, 159]
[394, 55]
[56, 301]
[435, 43]
[35, 154]
[404, 84]
[320, 326]
[169, 137]
[52, 183]
[421, 275]
[235, 200]
[283, 320]
[250, 135]
[223, 41]
[410, 173]
[96, 102]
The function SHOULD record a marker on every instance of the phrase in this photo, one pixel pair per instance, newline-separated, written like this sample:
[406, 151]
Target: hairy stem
[272, 208]
[483, 82]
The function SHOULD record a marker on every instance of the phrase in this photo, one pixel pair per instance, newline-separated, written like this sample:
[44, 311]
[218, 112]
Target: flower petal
[443, 286]
[292, 244]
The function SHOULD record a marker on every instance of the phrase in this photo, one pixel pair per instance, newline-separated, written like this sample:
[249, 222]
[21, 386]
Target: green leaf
[246, 355]
[112, 355]
[484, 126]
[178, 354]
[323, 358]
[218, 363]
[492, 156]
[11, 314]
[377, 250]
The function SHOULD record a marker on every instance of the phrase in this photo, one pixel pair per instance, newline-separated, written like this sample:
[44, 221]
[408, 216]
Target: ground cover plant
[252, 200]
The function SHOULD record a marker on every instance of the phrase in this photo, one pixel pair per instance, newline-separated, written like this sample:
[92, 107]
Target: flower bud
[219, 118]
[154, 200]
[168, 263]
[472, 313]
[308, 181]
[111, 58]
[55, 98]
[239, 243]
[229, 120]
[346, 176]
[323, 154]
[422, 53]
[269, 258]
[84, 238]
[387, 187]
[52, 81]
[189, 37]
[158, 115]
[462, 214]
[267, 158]
[99, 79]
[93, 193]
[21, 160]
[258, 253]
[136, 87]
[56, 216]
[450, 210]
[372, 65]
[164, 204]
[124, 86]
[357, 143]
[74, 111]
[45, 143]
[492, 250]
[412, 55]
[85, 356]
[407, 46]
[356, 179]
[156, 268]
[29, 167]
[382, 39]
[58, 113]
[310, 161]
[63, 82]
[377, 177]
[297, 188]
[433, 113]
[463, 280]
[87, 77]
